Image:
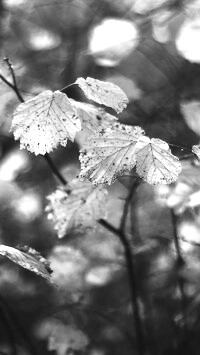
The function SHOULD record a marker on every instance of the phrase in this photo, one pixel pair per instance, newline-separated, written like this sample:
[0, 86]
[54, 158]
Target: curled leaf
[103, 93]
[28, 258]
[155, 162]
[109, 153]
[45, 121]
[76, 207]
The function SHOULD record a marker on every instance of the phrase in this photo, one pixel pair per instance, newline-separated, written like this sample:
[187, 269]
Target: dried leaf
[76, 206]
[155, 162]
[196, 150]
[45, 121]
[104, 93]
[109, 153]
[28, 258]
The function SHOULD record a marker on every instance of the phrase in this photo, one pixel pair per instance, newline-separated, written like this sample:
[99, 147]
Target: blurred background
[150, 48]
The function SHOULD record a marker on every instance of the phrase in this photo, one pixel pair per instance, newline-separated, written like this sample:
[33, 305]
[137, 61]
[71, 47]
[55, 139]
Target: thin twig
[6, 82]
[181, 148]
[14, 85]
[9, 64]
[127, 203]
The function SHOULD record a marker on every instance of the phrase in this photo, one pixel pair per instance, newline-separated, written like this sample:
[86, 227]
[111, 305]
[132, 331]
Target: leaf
[112, 40]
[92, 118]
[196, 150]
[76, 206]
[109, 153]
[191, 114]
[28, 258]
[103, 93]
[155, 162]
[187, 39]
[63, 338]
[44, 122]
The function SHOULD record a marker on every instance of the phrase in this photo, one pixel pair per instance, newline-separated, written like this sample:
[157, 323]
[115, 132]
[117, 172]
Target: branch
[14, 85]
[12, 323]
[15, 88]
[55, 170]
[8, 324]
[180, 264]
[130, 264]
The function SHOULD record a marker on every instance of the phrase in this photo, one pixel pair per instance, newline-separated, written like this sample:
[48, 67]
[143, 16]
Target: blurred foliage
[50, 44]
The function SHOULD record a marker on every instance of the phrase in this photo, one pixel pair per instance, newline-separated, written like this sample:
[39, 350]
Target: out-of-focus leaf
[63, 338]
[69, 265]
[192, 8]
[13, 164]
[191, 114]
[104, 93]
[45, 121]
[40, 39]
[109, 153]
[28, 258]
[76, 206]
[112, 40]
[185, 193]
[155, 162]
[161, 33]
[187, 39]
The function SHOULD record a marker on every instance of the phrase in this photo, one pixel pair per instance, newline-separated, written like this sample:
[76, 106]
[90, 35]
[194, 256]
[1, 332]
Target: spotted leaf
[76, 207]
[155, 162]
[28, 258]
[45, 121]
[103, 93]
[109, 153]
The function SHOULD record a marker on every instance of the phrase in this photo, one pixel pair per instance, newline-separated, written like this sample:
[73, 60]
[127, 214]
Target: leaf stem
[67, 86]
